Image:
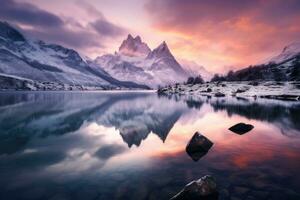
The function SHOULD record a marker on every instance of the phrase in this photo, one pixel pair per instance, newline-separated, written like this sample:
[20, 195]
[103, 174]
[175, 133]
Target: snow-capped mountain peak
[48, 66]
[134, 47]
[162, 51]
[136, 62]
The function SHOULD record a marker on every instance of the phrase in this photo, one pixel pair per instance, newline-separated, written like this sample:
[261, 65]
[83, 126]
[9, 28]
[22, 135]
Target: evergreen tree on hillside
[218, 78]
[198, 80]
[295, 74]
[195, 80]
[190, 80]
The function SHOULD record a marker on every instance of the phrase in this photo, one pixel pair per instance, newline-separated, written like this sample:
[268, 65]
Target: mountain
[134, 47]
[288, 53]
[34, 64]
[136, 62]
[283, 67]
[194, 69]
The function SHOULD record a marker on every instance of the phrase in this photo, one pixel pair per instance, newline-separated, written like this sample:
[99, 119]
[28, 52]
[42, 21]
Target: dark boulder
[282, 97]
[204, 188]
[219, 94]
[208, 90]
[241, 128]
[241, 90]
[198, 146]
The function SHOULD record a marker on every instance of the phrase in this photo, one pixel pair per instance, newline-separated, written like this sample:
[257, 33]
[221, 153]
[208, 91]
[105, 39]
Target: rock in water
[198, 146]
[241, 128]
[219, 94]
[204, 188]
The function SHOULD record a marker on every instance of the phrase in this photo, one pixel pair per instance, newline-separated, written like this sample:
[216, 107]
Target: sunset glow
[219, 35]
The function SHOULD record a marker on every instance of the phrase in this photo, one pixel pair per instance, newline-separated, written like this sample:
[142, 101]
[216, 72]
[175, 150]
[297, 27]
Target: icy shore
[269, 89]
[10, 82]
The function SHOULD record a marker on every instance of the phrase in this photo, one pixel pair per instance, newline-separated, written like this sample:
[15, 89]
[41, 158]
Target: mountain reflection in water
[117, 145]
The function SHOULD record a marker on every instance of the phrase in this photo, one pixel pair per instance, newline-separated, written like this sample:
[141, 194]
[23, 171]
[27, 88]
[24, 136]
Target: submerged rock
[241, 128]
[282, 97]
[204, 188]
[198, 146]
[219, 94]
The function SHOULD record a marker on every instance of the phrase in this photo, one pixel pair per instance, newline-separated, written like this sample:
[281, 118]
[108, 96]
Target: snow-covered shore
[270, 89]
[10, 82]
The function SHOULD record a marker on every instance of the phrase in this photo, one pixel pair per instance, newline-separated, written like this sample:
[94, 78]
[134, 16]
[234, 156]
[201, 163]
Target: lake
[131, 145]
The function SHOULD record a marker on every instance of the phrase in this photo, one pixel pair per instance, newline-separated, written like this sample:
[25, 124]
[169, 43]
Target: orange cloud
[227, 34]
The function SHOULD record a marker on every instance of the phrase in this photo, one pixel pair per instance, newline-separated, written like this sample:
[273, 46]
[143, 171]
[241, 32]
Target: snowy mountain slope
[136, 62]
[289, 52]
[284, 67]
[42, 62]
[195, 69]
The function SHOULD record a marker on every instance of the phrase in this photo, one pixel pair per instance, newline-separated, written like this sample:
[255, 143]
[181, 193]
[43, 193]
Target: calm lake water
[118, 145]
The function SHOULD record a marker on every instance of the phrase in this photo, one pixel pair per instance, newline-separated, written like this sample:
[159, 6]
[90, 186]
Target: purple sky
[219, 35]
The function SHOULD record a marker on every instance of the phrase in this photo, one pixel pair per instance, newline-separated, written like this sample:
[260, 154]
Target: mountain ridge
[44, 63]
[157, 67]
[283, 67]
[134, 47]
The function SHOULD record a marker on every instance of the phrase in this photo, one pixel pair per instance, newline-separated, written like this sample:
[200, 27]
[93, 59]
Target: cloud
[89, 9]
[27, 13]
[105, 28]
[101, 25]
[231, 32]
[41, 24]
[109, 151]
[79, 39]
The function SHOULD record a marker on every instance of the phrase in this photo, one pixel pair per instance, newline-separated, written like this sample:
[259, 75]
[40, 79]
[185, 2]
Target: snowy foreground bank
[10, 82]
[271, 90]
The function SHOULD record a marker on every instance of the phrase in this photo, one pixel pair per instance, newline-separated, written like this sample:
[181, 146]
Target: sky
[219, 35]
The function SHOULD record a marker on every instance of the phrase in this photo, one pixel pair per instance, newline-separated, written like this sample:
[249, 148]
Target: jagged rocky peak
[160, 52]
[134, 47]
[9, 33]
[138, 39]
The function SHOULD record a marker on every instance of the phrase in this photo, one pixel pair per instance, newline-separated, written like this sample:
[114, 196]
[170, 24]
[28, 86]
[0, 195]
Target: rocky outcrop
[204, 188]
[241, 128]
[198, 146]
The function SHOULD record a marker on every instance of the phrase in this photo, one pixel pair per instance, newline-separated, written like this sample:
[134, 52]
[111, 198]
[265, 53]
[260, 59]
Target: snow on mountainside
[284, 67]
[289, 52]
[195, 69]
[49, 63]
[136, 62]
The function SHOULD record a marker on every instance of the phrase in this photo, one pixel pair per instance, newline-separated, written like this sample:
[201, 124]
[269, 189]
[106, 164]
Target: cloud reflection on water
[49, 139]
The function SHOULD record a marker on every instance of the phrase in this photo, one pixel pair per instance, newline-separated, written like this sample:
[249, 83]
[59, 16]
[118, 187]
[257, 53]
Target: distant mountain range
[34, 64]
[283, 67]
[28, 64]
[136, 62]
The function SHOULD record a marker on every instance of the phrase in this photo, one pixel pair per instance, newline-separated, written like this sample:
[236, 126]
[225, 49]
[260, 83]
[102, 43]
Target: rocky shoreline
[270, 90]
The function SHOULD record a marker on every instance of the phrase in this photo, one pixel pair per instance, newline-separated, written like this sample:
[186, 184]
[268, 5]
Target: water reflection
[93, 145]
[43, 114]
[285, 115]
